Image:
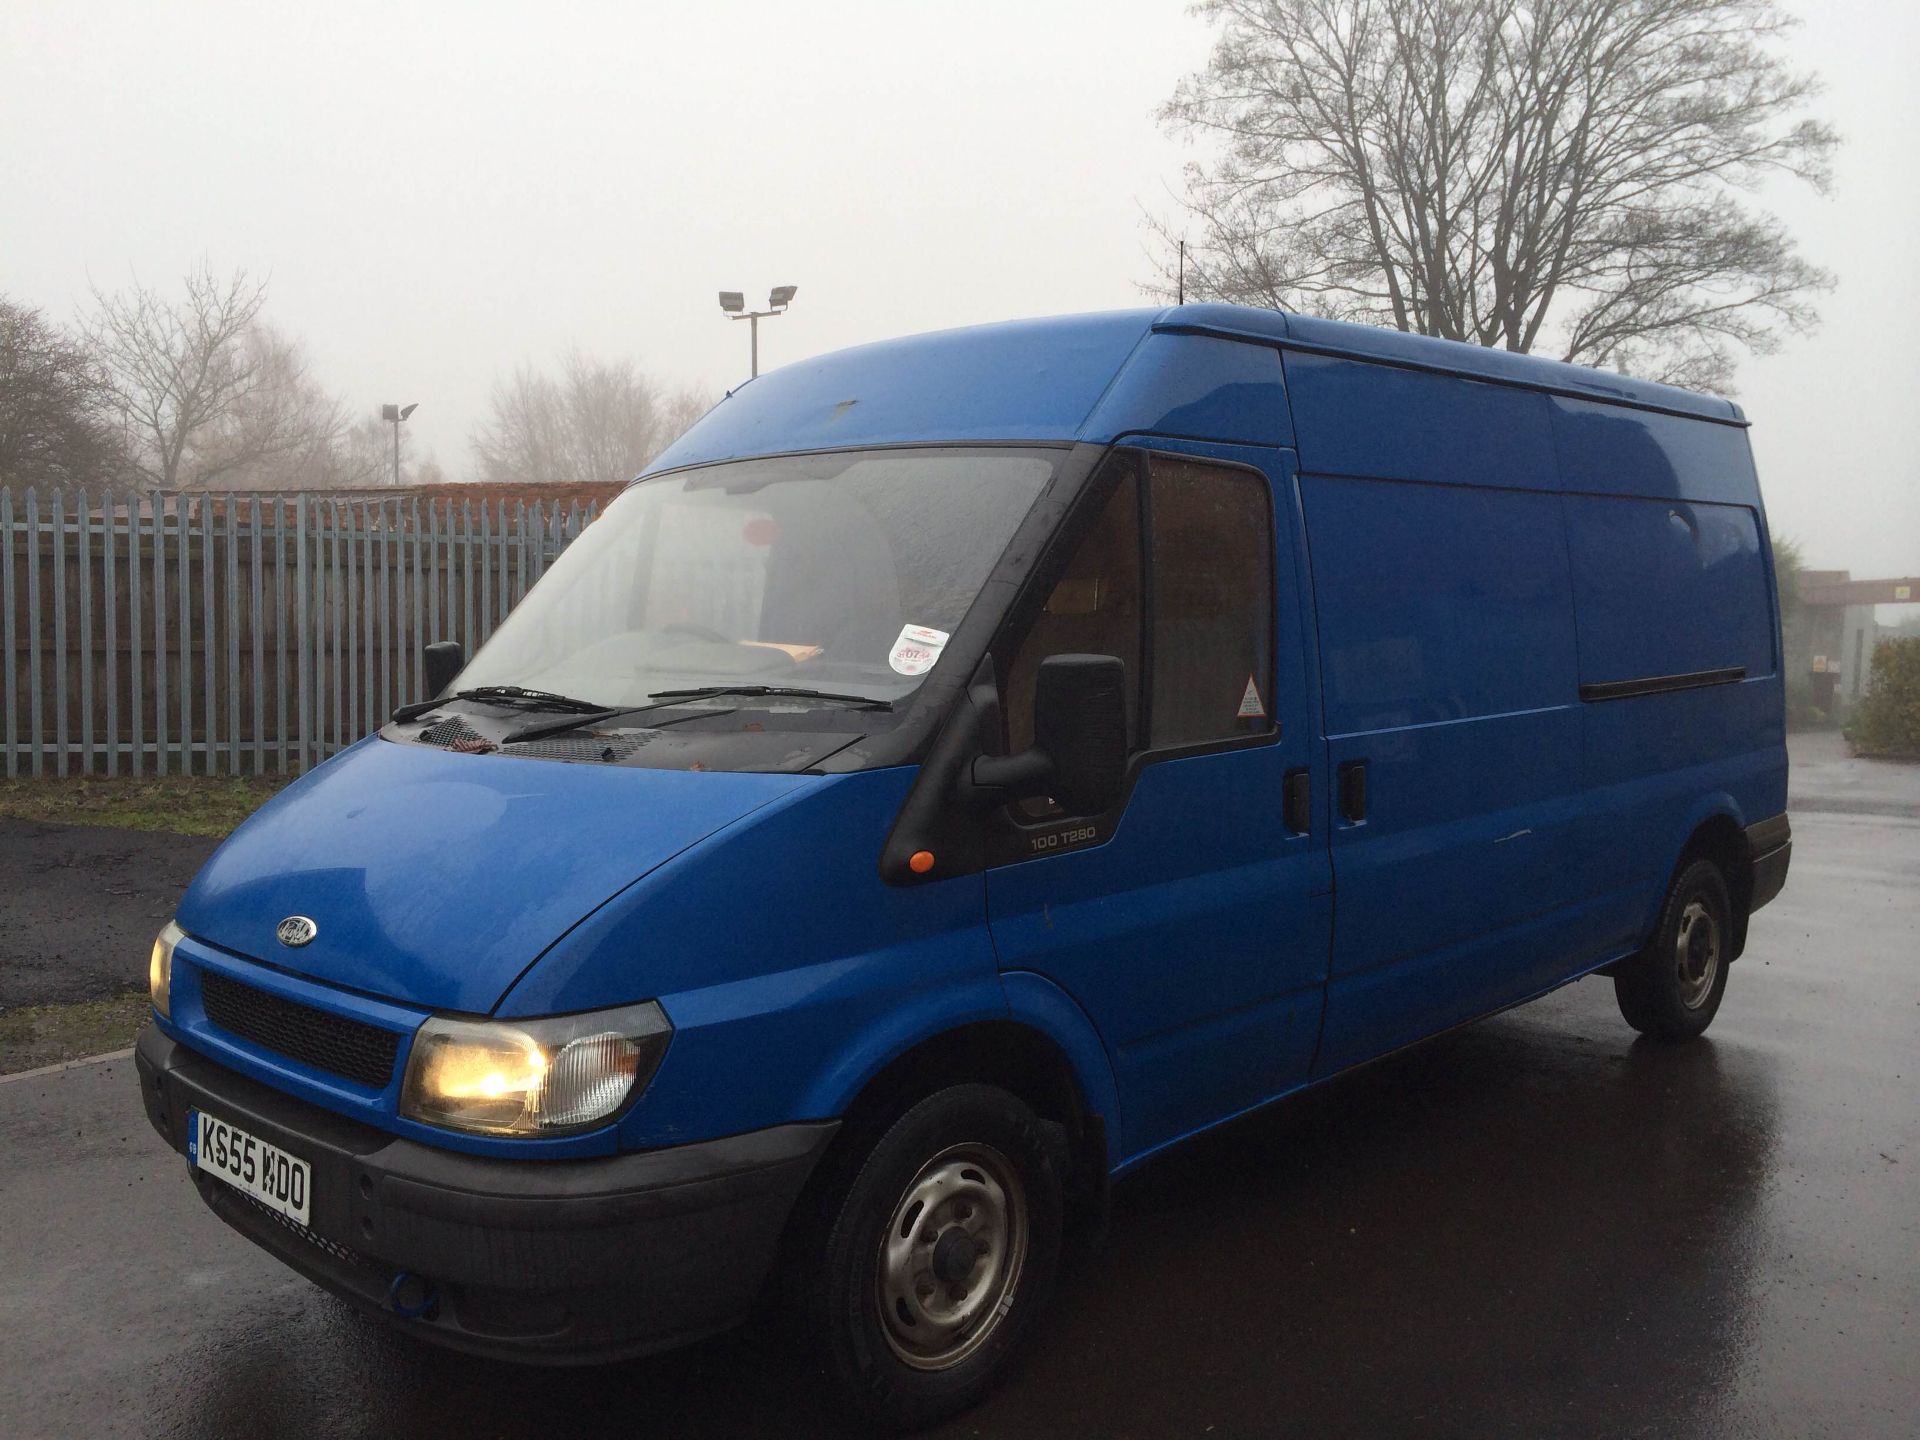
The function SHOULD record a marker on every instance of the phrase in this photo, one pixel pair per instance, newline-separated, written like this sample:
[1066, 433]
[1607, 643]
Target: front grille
[454, 733]
[351, 1049]
[446, 732]
[590, 746]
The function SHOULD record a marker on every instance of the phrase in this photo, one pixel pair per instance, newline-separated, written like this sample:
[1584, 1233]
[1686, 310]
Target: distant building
[1832, 638]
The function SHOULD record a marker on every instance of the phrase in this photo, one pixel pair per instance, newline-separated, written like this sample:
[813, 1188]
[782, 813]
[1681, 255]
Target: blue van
[960, 769]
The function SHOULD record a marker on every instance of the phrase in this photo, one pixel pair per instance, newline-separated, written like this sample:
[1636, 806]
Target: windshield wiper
[701, 692]
[518, 694]
[663, 698]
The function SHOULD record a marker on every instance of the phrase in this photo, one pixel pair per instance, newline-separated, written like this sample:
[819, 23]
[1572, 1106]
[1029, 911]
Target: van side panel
[1354, 418]
[1447, 655]
[1667, 588]
[1672, 578]
[1612, 450]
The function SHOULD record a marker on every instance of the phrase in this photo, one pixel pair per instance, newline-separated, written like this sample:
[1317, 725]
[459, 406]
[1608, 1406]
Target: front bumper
[557, 1261]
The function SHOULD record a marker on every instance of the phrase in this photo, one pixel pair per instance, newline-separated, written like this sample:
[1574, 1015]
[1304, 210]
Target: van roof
[1453, 357]
[1042, 380]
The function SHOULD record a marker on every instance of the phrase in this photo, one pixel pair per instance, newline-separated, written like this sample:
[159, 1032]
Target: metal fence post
[256, 626]
[8, 683]
[110, 588]
[160, 636]
[57, 522]
[83, 520]
[302, 689]
[34, 719]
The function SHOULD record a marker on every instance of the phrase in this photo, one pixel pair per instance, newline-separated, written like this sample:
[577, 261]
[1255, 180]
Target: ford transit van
[960, 769]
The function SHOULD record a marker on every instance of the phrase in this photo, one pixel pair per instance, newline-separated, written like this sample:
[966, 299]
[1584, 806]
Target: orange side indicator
[920, 861]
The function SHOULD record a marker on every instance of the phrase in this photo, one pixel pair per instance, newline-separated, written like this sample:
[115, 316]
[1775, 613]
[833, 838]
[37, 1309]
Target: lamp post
[397, 413]
[735, 304]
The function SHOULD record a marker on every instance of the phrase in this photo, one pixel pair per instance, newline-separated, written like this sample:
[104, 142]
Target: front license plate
[249, 1164]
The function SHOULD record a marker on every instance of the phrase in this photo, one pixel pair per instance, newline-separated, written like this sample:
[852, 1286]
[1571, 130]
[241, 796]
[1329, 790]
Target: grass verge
[36, 1035]
[172, 804]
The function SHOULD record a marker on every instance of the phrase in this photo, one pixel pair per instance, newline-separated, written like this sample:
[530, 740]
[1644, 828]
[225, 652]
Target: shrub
[1887, 721]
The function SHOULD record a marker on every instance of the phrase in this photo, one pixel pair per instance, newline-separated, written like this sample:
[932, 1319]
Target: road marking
[66, 1065]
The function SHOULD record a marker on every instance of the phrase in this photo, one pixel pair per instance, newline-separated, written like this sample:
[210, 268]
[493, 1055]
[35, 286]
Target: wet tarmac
[80, 905]
[1537, 1226]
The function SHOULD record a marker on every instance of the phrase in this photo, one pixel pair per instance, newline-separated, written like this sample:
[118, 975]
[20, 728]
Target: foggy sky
[442, 191]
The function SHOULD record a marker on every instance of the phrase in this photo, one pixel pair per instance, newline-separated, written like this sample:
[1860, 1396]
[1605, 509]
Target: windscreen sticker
[916, 649]
[1250, 706]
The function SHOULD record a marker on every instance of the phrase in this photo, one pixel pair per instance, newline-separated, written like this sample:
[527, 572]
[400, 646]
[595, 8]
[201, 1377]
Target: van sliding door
[1442, 596]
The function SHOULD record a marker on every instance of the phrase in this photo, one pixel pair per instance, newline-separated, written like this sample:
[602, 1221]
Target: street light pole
[397, 413]
[735, 304]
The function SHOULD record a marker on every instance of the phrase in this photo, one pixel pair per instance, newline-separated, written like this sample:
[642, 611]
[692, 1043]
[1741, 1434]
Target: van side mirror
[1079, 754]
[444, 660]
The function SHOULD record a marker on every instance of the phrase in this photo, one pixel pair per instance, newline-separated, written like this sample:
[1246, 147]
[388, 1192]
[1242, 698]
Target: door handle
[1353, 791]
[1296, 801]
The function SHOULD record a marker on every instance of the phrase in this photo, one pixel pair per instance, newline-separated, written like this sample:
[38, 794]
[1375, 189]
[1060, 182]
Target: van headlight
[532, 1077]
[160, 968]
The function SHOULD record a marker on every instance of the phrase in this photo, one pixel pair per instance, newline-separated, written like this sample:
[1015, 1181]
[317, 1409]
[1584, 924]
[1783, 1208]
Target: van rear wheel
[939, 1253]
[1672, 989]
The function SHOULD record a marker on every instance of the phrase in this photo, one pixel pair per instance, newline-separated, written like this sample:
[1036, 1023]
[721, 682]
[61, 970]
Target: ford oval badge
[295, 931]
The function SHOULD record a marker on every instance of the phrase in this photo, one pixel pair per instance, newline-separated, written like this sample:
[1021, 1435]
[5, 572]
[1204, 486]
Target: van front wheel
[939, 1256]
[1671, 990]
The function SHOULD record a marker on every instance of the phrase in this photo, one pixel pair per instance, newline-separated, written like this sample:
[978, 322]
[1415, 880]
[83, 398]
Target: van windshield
[843, 573]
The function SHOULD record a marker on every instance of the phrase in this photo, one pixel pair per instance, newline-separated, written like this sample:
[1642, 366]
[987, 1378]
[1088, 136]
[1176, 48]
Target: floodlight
[732, 300]
[782, 295]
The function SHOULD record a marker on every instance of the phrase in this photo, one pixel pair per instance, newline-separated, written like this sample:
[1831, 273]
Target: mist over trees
[214, 396]
[58, 424]
[1562, 175]
[595, 420]
[193, 388]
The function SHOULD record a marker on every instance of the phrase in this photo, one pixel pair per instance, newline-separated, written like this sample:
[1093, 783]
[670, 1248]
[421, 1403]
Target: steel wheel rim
[951, 1256]
[1696, 954]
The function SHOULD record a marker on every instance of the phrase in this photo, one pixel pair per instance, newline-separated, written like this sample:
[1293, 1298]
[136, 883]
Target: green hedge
[1887, 722]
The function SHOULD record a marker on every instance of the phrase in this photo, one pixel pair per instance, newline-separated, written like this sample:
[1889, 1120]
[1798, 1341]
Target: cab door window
[1176, 578]
[1095, 608]
[1212, 613]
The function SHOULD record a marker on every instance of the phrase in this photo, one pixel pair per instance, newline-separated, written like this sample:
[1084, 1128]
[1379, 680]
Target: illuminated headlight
[532, 1077]
[160, 967]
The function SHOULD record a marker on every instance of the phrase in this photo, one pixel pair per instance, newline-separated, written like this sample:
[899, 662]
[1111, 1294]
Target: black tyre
[1671, 989]
[932, 1254]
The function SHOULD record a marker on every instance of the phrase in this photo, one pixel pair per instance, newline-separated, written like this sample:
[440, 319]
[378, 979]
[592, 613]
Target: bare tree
[599, 420]
[284, 432]
[56, 411]
[210, 392]
[1561, 174]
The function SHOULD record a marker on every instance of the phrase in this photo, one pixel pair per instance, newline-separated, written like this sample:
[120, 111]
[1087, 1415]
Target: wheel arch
[1721, 839]
[1041, 1048]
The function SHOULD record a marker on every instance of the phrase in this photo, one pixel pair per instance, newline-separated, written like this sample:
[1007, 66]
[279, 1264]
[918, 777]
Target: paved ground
[1534, 1227]
[79, 907]
[1825, 777]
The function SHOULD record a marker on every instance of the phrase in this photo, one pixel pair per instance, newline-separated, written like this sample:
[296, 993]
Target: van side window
[1212, 578]
[1095, 608]
[1205, 601]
